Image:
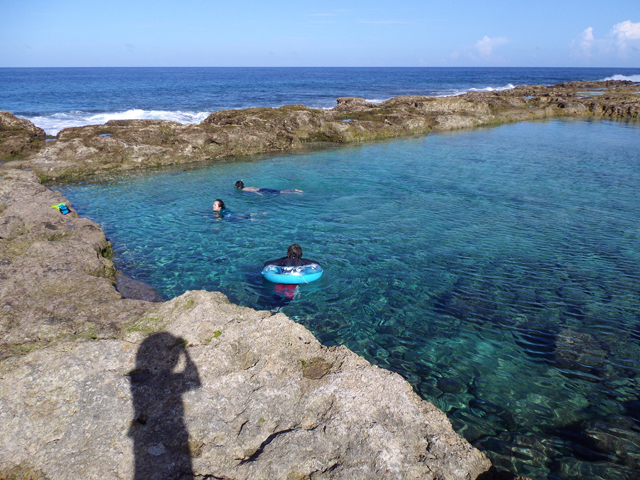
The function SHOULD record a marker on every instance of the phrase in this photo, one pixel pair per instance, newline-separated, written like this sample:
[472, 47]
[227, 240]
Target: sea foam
[493, 89]
[629, 78]
[52, 124]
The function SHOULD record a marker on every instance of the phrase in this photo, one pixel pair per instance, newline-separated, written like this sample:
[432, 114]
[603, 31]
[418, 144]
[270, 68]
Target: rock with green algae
[56, 281]
[18, 137]
[122, 145]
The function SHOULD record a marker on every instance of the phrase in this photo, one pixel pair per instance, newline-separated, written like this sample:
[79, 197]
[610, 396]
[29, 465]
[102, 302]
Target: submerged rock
[578, 353]
[130, 288]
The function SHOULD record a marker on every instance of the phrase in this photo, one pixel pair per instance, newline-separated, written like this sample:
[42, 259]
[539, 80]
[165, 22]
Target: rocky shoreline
[122, 145]
[251, 394]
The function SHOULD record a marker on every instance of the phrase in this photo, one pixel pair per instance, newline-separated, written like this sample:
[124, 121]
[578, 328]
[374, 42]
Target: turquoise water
[497, 270]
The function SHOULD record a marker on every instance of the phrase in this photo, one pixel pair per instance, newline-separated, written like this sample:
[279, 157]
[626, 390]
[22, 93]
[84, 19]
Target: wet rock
[316, 368]
[130, 288]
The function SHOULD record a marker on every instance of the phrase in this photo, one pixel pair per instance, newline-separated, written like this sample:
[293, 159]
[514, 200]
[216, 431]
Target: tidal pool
[497, 270]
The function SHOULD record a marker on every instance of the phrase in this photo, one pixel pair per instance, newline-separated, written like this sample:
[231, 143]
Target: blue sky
[73, 33]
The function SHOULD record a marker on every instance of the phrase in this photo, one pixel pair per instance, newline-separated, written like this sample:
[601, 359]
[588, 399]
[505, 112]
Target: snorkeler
[260, 191]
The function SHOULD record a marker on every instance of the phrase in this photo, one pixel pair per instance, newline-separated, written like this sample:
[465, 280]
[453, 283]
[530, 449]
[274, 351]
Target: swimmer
[260, 191]
[220, 212]
[293, 258]
[218, 205]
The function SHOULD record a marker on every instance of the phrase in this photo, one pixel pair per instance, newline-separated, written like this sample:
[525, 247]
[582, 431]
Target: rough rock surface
[122, 145]
[221, 391]
[18, 136]
[55, 278]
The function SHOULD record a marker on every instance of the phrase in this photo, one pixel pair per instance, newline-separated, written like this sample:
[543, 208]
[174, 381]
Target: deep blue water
[497, 270]
[55, 98]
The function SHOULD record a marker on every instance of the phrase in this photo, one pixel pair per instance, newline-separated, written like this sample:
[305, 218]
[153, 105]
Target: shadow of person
[160, 437]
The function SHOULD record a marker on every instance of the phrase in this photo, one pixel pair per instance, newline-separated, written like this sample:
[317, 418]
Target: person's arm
[189, 378]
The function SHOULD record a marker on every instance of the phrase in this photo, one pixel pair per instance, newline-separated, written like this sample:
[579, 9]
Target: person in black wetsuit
[293, 258]
[285, 293]
[260, 191]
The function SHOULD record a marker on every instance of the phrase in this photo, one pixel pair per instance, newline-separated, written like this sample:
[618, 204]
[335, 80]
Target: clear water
[56, 98]
[497, 270]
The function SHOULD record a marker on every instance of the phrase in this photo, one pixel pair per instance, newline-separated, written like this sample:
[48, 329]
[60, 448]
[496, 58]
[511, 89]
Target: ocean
[57, 98]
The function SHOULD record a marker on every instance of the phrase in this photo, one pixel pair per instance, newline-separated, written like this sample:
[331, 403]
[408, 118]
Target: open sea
[56, 98]
[497, 270]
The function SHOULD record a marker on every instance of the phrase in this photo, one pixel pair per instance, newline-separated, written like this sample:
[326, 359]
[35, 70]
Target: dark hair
[239, 184]
[294, 251]
[222, 205]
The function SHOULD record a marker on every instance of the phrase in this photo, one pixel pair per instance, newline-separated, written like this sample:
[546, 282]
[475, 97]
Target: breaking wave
[492, 89]
[629, 78]
[52, 124]
[448, 93]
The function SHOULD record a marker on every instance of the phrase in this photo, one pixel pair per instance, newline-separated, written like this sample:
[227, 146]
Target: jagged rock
[132, 144]
[56, 280]
[197, 386]
[200, 386]
[18, 136]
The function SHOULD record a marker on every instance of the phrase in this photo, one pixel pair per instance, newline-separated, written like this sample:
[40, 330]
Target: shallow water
[496, 270]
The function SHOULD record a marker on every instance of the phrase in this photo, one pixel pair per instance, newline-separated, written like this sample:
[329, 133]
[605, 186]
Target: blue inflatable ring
[292, 275]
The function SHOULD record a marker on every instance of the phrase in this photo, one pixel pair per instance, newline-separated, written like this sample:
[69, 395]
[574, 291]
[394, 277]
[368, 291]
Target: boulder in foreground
[201, 388]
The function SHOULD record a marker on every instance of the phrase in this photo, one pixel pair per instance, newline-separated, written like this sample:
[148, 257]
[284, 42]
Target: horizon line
[337, 66]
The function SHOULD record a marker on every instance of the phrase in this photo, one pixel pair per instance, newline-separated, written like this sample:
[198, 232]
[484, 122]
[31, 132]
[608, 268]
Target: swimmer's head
[294, 251]
[240, 184]
[218, 205]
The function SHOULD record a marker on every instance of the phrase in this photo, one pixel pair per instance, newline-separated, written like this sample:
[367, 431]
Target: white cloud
[582, 45]
[622, 36]
[486, 45]
[623, 32]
